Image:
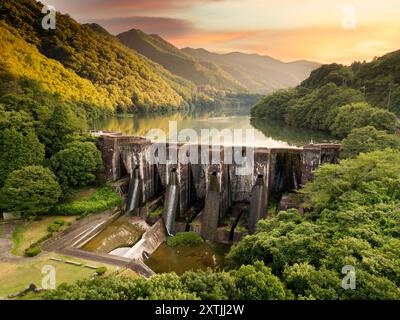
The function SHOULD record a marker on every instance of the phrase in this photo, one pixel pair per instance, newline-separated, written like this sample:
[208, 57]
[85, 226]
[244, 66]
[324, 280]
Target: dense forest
[130, 80]
[338, 99]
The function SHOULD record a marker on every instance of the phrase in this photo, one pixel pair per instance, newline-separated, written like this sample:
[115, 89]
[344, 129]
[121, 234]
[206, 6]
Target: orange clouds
[200, 39]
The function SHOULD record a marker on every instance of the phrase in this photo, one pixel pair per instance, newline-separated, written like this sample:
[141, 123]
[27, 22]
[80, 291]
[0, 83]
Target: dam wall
[198, 177]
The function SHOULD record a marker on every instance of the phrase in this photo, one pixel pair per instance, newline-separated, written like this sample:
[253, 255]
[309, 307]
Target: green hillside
[21, 60]
[201, 73]
[261, 74]
[338, 99]
[130, 80]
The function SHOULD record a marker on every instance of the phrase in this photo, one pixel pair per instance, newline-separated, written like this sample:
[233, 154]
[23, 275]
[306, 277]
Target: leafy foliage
[184, 238]
[104, 199]
[18, 150]
[31, 190]
[77, 164]
[353, 219]
[249, 282]
[367, 139]
[338, 99]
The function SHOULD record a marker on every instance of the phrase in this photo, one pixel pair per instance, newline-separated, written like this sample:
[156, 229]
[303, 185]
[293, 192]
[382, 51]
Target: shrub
[156, 212]
[77, 165]
[185, 238]
[368, 139]
[101, 270]
[29, 191]
[104, 199]
[32, 252]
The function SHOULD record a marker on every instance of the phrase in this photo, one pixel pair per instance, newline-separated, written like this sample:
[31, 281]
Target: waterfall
[134, 193]
[171, 203]
[258, 204]
[211, 210]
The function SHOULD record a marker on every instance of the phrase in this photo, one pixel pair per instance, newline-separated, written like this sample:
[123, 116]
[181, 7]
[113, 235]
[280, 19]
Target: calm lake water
[267, 133]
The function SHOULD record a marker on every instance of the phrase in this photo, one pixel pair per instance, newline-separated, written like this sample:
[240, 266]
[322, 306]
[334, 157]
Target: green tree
[18, 150]
[367, 139]
[209, 285]
[358, 115]
[63, 123]
[77, 164]
[307, 282]
[256, 282]
[30, 191]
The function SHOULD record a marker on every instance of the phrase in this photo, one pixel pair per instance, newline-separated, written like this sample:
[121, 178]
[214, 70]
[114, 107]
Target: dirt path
[6, 243]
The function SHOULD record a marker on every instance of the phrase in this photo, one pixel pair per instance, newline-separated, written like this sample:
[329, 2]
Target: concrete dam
[209, 198]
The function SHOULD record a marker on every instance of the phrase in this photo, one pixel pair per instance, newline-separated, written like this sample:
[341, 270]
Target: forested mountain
[339, 99]
[200, 72]
[257, 73]
[22, 61]
[130, 80]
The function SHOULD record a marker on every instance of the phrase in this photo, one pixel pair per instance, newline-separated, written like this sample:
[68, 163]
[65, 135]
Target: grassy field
[31, 231]
[16, 276]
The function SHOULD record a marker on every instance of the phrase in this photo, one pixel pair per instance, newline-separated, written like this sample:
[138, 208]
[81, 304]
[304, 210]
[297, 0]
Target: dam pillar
[212, 210]
[314, 155]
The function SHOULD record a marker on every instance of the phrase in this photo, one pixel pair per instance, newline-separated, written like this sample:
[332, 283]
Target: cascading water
[258, 204]
[134, 193]
[211, 210]
[171, 203]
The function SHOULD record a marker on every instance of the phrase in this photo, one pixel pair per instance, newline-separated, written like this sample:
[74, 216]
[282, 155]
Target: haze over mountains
[235, 71]
[133, 71]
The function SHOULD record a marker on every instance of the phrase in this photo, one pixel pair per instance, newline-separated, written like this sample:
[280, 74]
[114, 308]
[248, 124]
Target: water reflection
[266, 134]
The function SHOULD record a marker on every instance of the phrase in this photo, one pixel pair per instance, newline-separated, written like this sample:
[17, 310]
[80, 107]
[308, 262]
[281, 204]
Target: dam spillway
[217, 185]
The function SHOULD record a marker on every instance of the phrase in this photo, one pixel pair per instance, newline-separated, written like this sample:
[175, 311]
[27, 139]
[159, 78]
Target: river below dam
[182, 258]
[267, 133]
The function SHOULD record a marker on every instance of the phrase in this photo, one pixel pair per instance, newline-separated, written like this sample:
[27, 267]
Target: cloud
[143, 5]
[165, 27]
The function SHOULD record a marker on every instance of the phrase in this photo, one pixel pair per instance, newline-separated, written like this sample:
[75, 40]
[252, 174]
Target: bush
[358, 115]
[368, 139]
[156, 212]
[185, 238]
[101, 271]
[77, 165]
[18, 150]
[32, 252]
[104, 199]
[56, 225]
[29, 191]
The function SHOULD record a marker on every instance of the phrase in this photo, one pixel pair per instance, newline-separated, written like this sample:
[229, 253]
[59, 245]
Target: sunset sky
[284, 29]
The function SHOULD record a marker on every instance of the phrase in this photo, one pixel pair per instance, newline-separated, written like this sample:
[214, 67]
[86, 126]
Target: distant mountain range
[134, 71]
[258, 73]
[235, 71]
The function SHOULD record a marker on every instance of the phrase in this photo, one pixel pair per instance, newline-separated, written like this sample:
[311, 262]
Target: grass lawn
[31, 231]
[17, 276]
